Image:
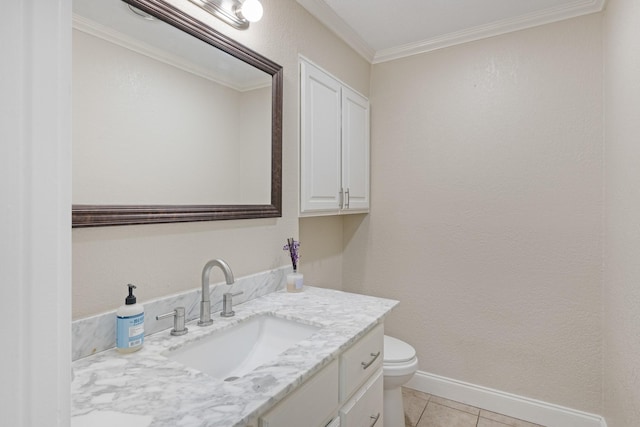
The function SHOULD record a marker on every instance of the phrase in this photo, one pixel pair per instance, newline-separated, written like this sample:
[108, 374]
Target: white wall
[486, 210]
[321, 241]
[35, 208]
[164, 259]
[621, 343]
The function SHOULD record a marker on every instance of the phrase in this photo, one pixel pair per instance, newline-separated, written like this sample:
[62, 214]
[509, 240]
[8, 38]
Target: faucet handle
[178, 321]
[235, 294]
[227, 304]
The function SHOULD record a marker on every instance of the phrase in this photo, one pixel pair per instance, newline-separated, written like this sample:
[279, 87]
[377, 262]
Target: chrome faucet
[205, 303]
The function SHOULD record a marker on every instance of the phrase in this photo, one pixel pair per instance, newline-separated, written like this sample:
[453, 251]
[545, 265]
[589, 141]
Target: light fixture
[251, 10]
[237, 13]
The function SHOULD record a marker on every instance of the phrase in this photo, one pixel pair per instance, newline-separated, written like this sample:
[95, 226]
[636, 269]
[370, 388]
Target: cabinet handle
[341, 199]
[375, 419]
[365, 365]
[347, 196]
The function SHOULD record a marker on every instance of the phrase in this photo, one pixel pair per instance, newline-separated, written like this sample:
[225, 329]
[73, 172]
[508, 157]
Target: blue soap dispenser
[130, 324]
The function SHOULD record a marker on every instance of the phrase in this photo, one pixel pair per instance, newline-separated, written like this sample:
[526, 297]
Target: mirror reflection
[163, 118]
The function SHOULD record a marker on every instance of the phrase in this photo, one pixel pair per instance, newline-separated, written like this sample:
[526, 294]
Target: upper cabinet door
[355, 150]
[334, 145]
[320, 148]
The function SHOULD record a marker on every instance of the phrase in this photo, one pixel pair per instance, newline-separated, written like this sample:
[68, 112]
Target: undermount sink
[238, 350]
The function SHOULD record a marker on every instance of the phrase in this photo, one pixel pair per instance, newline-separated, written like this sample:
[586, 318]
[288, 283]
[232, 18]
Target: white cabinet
[346, 393]
[355, 151]
[313, 405]
[364, 409]
[361, 388]
[360, 361]
[334, 145]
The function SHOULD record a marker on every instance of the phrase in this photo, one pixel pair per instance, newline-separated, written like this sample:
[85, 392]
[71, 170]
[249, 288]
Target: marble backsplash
[98, 333]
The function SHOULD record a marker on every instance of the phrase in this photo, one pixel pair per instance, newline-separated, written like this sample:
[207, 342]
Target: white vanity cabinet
[349, 389]
[364, 409]
[334, 145]
[361, 377]
[313, 404]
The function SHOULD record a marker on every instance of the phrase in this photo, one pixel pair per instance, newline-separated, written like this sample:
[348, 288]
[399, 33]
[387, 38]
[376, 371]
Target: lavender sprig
[293, 247]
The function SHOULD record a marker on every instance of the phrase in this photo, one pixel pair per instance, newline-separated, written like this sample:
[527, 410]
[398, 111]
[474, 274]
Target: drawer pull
[365, 365]
[375, 419]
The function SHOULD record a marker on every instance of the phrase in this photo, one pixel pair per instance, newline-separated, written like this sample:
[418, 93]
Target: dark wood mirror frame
[105, 215]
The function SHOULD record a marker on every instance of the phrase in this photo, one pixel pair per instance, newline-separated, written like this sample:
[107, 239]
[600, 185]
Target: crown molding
[530, 20]
[330, 19]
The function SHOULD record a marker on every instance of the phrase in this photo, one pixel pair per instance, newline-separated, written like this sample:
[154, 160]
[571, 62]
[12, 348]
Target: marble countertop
[154, 391]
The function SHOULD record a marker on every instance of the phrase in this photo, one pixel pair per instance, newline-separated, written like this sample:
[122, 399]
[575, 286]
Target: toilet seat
[397, 351]
[401, 369]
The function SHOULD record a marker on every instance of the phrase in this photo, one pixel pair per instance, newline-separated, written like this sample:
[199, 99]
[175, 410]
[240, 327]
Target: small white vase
[295, 281]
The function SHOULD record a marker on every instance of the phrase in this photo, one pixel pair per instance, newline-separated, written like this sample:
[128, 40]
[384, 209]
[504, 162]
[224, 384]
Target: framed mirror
[172, 120]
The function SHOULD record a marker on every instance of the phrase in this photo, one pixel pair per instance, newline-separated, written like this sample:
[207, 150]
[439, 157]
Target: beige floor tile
[485, 422]
[414, 403]
[455, 405]
[406, 391]
[437, 415]
[504, 420]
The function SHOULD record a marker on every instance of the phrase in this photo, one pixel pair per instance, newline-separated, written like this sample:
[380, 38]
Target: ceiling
[383, 30]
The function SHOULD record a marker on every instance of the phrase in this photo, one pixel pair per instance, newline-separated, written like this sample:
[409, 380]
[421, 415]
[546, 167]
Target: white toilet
[400, 363]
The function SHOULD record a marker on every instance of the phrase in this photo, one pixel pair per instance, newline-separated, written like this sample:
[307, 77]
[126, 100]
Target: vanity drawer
[365, 407]
[360, 361]
[311, 405]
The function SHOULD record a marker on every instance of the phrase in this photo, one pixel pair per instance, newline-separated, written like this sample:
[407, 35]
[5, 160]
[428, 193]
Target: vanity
[335, 373]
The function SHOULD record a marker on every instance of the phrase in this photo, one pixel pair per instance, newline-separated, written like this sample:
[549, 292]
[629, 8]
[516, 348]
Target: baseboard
[512, 405]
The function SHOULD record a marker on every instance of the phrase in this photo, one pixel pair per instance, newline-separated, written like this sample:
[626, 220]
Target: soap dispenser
[130, 324]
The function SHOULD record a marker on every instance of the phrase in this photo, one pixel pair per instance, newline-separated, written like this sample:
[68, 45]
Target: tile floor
[425, 410]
